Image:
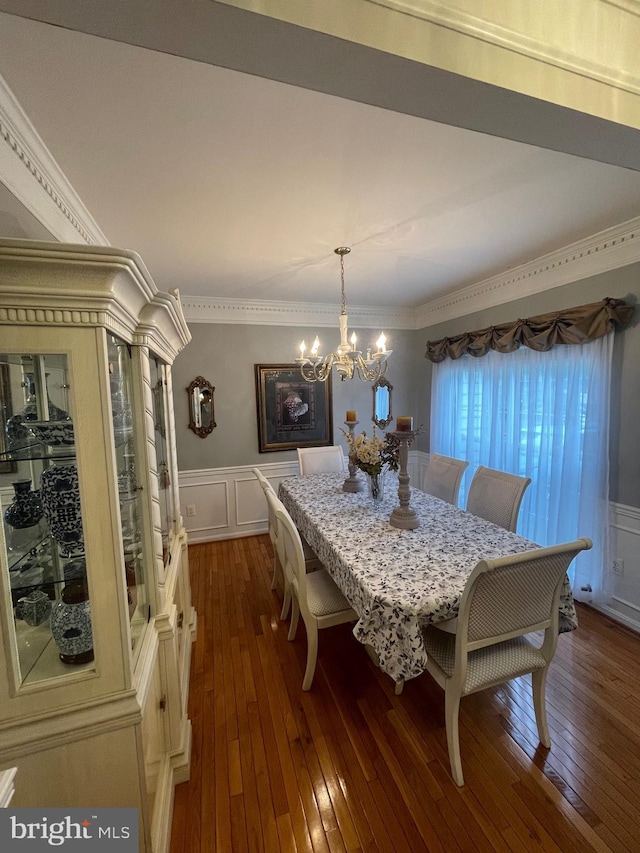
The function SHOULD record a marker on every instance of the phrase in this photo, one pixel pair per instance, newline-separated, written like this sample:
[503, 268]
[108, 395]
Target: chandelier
[346, 359]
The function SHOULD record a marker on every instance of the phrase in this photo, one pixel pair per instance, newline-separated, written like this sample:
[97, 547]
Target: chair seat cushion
[323, 595]
[486, 666]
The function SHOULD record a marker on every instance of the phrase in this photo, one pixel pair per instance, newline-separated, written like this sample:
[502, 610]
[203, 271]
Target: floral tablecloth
[398, 580]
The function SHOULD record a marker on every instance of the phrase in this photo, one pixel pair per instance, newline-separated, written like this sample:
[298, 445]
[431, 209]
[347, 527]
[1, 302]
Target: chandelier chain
[347, 360]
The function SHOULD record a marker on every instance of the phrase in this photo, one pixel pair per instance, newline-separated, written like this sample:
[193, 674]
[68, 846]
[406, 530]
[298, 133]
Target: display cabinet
[96, 615]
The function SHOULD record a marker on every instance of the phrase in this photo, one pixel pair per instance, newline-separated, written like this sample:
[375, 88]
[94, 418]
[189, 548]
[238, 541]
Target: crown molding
[265, 313]
[32, 175]
[615, 247]
[480, 29]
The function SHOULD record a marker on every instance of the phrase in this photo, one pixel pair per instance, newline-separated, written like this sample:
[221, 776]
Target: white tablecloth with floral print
[398, 580]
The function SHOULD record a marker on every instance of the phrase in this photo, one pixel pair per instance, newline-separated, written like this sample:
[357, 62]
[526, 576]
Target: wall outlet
[191, 510]
[617, 566]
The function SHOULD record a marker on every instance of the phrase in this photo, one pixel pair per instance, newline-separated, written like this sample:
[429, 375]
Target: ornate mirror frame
[201, 414]
[382, 389]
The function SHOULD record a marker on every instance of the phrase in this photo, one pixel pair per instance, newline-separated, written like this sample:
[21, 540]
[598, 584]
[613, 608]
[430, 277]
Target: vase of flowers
[375, 486]
[374, 456]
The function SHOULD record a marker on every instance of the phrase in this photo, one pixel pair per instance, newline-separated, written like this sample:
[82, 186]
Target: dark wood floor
[350, 766]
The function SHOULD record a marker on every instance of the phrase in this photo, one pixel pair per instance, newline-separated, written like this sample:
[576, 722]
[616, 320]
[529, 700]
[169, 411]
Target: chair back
[496, 496]
[293, 561]
[275, 533]
[264, 483]
[321, 460]
[510, 596]
[443, 476]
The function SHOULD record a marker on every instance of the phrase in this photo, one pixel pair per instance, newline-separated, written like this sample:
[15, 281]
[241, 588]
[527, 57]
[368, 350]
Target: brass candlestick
[353, 483]
[403, 516]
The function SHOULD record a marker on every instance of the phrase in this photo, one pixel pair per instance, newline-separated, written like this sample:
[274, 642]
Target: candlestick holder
[404, 516]
[353, 483]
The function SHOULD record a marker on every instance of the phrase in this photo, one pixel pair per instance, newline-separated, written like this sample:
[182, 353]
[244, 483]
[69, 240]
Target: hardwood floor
[350, 766]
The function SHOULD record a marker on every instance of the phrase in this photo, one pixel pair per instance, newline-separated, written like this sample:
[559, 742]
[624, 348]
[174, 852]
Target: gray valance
[571, 326]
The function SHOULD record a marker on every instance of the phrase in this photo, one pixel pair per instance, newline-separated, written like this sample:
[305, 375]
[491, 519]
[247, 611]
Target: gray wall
[226, 354]
[625, 397]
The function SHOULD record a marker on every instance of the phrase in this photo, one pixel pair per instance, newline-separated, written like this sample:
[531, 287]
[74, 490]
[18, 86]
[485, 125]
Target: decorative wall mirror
[382, 389]
[201, 417]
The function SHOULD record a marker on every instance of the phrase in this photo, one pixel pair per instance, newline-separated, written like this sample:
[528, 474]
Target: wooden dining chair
[443, 477]
[264, 483]
[311, 561]
[320, 460]
[496, 496]
[504, 600]
[315, 595]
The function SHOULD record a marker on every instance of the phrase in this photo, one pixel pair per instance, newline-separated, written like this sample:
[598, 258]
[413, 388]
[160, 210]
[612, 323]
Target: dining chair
[311, 561]
[496, 496]
[315, 595]
[264, 483]
[443, 477]
[504, 600]
[320, 460]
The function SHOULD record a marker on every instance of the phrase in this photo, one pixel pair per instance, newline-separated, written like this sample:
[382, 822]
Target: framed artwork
[291, 412]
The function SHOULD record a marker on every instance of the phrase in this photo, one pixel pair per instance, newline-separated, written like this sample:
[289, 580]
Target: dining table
[398, 581]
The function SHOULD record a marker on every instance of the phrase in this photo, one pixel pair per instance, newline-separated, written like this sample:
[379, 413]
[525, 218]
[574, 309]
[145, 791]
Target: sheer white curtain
[539, 414]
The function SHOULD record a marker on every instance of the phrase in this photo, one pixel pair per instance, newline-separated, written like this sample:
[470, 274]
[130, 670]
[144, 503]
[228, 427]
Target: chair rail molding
[32, 175]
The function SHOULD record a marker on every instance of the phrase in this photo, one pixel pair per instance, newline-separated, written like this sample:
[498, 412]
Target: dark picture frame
[291, 411]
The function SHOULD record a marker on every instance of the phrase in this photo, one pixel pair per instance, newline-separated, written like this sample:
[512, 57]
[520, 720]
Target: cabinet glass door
[44, 574]
[161, 418]
[129, 487]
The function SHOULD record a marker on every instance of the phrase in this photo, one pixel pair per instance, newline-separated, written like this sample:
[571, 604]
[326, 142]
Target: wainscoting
[227, 503]
[624, 548]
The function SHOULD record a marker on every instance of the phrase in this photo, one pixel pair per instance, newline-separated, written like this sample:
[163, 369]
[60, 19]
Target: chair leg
[451, 709]
[286, 601]
[538, 683]
[312, 655]
[277, 572]
[295, 614]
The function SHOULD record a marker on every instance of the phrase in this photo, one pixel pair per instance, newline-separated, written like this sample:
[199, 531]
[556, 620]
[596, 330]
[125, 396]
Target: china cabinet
[96, 622]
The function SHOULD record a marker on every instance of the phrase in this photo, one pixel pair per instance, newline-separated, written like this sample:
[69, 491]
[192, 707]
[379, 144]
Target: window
[544, 415]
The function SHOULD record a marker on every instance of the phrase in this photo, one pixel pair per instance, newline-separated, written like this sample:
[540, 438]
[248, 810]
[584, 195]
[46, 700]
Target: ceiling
[239, 187]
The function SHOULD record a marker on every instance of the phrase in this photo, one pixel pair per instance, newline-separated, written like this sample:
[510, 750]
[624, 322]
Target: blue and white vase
[60, 496]
[17, 426]
[71, 624]
[26, 508]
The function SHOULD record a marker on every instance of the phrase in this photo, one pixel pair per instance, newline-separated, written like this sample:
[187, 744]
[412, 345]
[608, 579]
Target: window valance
[571, 326]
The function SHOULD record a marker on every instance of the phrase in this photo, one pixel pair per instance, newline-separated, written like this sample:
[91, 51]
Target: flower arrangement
[373, 454]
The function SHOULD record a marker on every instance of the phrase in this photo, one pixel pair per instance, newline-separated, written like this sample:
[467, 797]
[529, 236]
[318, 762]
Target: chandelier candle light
[347, 359]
